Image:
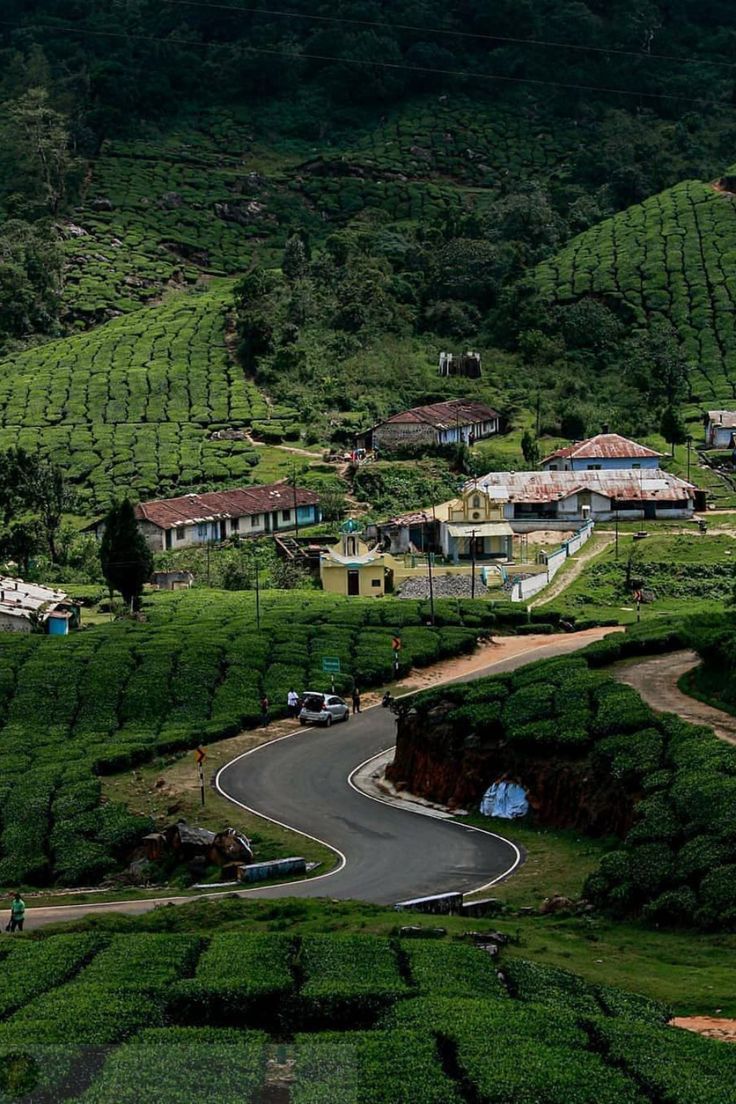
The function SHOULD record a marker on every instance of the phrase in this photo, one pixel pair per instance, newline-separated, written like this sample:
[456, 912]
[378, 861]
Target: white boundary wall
[527, 588]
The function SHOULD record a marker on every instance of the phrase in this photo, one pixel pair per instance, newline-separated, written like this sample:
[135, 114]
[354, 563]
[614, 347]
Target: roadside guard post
[331, 666]
[200, 755]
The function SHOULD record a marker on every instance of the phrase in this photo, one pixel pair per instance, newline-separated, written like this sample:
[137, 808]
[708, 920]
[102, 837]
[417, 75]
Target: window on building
[285, 515]
[234, 525]
[636, 465]
[594, 467]
[375, 582]
[181, 532]
[202, 531]
[255, 520]
[476, 502]
[350, 546]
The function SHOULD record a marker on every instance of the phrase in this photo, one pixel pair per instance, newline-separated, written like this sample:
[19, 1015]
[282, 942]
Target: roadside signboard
[331, 665]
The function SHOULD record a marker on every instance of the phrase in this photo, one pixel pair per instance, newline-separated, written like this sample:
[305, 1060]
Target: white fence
[527, 588]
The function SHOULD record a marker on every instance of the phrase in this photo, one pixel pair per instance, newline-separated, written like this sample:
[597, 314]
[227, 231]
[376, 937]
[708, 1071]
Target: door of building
[650, 510]
[353, 582]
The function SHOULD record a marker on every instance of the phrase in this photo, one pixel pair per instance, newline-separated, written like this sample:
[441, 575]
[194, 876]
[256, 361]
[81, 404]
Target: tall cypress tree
[127, 561]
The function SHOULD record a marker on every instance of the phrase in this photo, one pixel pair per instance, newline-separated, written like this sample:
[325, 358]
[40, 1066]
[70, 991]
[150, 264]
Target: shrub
[240, 977]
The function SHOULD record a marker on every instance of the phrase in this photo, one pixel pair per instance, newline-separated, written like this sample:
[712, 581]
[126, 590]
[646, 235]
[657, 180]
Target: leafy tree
[295, 263]
[530, 449]
[36, 158]
[126, 559]
[33, 485]
[673, 428]
[30, 279]
[572, 425]
[19, 543]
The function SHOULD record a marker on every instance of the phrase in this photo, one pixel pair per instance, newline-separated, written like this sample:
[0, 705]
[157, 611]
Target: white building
[720, 429]
[27, 606]
[171, 523]
[578, 496]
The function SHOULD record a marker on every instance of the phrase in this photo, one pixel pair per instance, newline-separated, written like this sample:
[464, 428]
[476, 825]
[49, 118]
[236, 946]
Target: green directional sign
[331, 665]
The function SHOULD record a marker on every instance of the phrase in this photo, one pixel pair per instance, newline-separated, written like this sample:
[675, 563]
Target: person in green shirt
[17, 913]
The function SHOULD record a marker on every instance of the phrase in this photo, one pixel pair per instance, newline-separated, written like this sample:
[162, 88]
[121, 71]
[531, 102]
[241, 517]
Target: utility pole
[296, 508]
[616, 523]
[431, 588]
[472, 564]
[689, 442]
[258, 589]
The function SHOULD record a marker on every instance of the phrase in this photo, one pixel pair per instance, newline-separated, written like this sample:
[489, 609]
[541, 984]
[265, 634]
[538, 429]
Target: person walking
[17, 913]
[265, 706]
[356, 700]
[292, 702]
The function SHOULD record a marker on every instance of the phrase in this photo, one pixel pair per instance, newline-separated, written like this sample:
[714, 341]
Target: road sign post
[200, 756]
[331, 666]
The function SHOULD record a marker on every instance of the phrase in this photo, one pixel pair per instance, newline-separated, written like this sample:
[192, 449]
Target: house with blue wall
[171, 523]
[604, 452]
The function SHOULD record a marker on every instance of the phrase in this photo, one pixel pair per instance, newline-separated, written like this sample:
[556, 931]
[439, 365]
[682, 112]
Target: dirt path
[710, 1026]
[597, 546]
[656, 680]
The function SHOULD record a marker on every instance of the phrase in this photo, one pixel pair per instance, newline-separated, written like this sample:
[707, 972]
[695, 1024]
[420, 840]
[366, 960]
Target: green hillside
[352, 1019]
[671, 258]
[131, 404]
[120, 694]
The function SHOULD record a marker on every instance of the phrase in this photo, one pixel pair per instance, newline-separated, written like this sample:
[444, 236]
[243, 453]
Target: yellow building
[476, 528]
[351, 567]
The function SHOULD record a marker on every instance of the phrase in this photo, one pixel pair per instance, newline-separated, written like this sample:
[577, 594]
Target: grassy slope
[671, 256]
[130, 402]
[687, 573]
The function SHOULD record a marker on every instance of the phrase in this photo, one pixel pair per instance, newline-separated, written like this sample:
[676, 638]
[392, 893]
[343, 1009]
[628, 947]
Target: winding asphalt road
[386, 854]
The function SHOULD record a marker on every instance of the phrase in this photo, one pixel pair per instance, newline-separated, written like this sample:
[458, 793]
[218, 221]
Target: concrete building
[445, 423]
[172, 580]
[171, 523]
[352, 568]
[28, 607]
[720, 429]
[461, 364]
[476, 528]
[579, 496]
[604, 452]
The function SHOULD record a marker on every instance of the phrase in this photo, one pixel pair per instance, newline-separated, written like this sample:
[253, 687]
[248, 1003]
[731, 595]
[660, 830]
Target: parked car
[323, 709]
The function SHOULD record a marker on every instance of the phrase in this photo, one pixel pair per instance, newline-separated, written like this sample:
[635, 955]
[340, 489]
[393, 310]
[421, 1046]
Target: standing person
[17, 913]
[265, 706]
[356, 700]
[292, 701]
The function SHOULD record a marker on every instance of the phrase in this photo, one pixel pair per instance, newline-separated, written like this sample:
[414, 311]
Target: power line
[300, 56]
[385, 24]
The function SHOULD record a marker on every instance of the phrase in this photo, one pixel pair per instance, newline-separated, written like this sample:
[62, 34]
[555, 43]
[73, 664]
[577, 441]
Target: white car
[323, 709]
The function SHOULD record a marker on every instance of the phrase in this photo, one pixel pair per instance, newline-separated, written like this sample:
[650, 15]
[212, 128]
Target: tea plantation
[358, 1019]
[130, 405]
[597, 759]
[669, 257]
[103, 700]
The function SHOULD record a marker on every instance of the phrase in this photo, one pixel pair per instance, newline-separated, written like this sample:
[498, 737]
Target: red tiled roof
[443, 415]
[167, 513]
[604, 446]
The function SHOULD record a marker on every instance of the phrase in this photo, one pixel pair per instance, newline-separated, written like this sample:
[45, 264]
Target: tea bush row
[676, 863]
[106, 699]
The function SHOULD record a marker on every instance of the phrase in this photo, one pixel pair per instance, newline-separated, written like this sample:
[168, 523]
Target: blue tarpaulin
[505, 799]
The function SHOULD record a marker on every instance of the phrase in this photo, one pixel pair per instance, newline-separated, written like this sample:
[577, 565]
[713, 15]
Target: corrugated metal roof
[604, 446]
[168, 513]
[19, 599]
[445, 415]
[544, 486]
[480, 529]
[725, 418]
